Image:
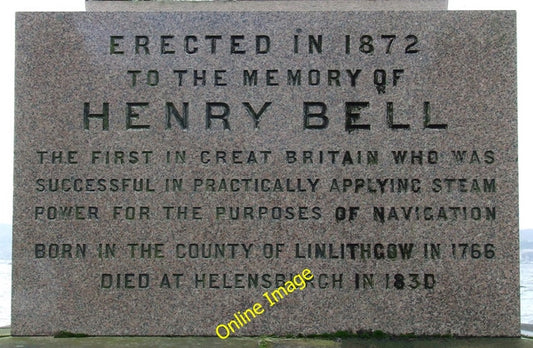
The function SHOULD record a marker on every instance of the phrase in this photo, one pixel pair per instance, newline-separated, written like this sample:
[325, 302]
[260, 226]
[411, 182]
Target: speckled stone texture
[268, 5]
[378, 150]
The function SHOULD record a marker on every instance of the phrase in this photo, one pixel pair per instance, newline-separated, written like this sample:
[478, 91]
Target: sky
[525, 76]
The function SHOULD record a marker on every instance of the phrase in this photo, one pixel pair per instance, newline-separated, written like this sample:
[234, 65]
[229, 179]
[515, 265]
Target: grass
[67, 334]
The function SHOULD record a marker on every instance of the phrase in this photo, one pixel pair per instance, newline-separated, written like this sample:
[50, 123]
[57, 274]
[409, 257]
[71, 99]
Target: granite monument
[266, 172]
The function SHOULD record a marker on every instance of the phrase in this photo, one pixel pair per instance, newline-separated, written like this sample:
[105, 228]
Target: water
[5, 292]
[526, 292]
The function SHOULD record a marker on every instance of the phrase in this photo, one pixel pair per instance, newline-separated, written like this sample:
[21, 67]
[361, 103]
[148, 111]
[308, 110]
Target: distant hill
[5, 241]
[526, 235]
[526, 239]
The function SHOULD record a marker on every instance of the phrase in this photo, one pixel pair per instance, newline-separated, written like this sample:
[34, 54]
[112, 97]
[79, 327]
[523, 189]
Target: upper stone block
[268, 5]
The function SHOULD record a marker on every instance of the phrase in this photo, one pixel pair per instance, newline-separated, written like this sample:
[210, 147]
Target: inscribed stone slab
[174, 169]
